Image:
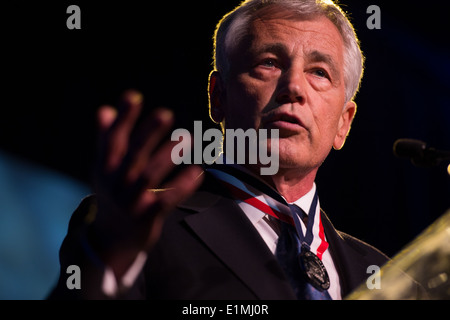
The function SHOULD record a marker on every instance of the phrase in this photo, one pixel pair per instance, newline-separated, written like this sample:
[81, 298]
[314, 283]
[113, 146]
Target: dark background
[54, 79]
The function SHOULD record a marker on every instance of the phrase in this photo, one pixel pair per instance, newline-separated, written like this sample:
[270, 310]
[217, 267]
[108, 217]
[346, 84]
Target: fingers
[105, 117]
[156, 168]
[173, 192]
[159, 165]
[182, 186]
[147, 139]
[117, 149]
[115, 128]
[132, 161]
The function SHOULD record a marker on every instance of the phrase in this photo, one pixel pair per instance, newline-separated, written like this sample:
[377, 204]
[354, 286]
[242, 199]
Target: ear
[345, 122]
[215, 91]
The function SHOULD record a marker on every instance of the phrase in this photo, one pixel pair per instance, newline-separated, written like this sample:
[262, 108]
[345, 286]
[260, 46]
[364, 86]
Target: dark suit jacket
[210, 250]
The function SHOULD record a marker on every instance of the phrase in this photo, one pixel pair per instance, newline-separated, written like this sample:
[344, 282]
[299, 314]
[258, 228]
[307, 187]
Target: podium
[421, 271]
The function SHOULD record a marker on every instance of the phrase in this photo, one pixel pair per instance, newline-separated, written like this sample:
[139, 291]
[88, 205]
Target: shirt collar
[255, 215]
[305, 202]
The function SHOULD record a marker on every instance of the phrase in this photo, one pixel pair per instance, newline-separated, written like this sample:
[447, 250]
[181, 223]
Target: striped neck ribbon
[246, 187]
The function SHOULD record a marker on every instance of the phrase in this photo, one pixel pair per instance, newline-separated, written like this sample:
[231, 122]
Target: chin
[290, 163]
[292, 153]
[297, 158]
[293, 159]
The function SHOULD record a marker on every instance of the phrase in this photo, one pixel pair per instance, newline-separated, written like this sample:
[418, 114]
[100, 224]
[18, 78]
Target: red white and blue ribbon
[256, 193]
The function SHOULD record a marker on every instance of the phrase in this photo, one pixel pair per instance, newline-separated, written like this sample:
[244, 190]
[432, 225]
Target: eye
[321, 73]
[268, 63]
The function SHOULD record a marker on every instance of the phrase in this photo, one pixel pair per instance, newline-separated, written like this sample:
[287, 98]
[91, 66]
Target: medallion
[314, 270]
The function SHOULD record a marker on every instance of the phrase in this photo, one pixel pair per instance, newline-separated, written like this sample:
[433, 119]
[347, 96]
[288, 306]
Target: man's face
[289, 75]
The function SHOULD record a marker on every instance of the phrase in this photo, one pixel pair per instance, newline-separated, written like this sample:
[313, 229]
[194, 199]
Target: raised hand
[130, 163]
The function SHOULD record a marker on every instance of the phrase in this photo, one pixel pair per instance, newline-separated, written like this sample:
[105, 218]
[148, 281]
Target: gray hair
[234, 26]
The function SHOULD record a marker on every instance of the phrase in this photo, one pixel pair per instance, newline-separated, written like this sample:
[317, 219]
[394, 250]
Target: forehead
[306, 35]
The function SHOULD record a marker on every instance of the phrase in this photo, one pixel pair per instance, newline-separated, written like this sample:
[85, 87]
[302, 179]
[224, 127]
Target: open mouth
[283, 121]
[289, 119]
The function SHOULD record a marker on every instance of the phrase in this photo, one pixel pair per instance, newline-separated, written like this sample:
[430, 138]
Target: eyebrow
[276, 48]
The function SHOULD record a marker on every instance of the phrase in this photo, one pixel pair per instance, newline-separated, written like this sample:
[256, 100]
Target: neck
[292, 184]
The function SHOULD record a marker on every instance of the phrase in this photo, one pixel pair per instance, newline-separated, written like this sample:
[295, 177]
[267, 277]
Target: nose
[291, 87]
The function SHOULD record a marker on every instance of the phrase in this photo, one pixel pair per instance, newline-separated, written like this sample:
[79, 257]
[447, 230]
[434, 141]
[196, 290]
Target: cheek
[327, 115]
[325, 129]
[245, 101]
[328, 124]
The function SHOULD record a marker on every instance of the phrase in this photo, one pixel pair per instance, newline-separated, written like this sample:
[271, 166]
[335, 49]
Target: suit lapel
[224, 228]
[350, 260]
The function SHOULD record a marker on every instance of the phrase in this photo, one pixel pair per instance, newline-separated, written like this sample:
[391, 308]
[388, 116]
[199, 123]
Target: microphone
[420, 154]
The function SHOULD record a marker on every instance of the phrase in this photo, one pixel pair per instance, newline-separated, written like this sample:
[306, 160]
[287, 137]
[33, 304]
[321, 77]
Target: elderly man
[231, 233]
